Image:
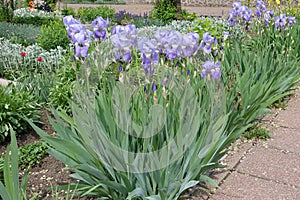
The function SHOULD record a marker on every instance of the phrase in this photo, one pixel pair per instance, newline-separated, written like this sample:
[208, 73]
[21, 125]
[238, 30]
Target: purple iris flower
[210, 68]
[280, 21]
[189, 44]
[236, 6]
[73, 29]
[150, 54]
[162, 37]
[68, 20]
[207, 42]
[169, 42]
[122, 46]
[261, 8]
[245, 13]
[291, 21]
[100, 28]
[129, 31]
[82, 41]
[232, 18]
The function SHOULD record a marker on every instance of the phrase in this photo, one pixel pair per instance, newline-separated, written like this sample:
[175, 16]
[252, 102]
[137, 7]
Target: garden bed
[141, 106]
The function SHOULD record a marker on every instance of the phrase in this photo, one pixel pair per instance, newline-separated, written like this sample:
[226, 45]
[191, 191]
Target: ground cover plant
[168, 100]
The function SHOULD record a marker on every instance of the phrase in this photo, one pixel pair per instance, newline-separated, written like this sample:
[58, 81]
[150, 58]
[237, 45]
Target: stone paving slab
[290, 117]
[241, 186]
[5, 82]
[272, 164]
[285, 139]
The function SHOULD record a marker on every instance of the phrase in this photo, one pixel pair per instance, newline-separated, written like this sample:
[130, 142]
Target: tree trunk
[178, 6]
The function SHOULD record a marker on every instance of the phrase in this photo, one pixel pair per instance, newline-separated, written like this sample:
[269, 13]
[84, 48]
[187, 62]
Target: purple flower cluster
[149, 54]
[242, 15]
[174, 45]
[78, 35]
[207, 42]
[124, 39]
[100, 28]
[260, 9]
[239, 14]
[283, 21]
[210, 68]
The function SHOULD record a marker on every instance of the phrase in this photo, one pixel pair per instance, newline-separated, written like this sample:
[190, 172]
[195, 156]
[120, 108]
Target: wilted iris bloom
[100, 28]
[82, 41]
[210, 68]
[149, 53]
[207, 42]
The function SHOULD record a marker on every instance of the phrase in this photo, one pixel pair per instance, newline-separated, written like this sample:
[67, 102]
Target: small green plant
[68, 11]
[257, 133]
[89, 14]
[19, 33]
[11, 189]
[53, 35]
[203, 25]
[31, 154]
[61, 92]
[15, 104]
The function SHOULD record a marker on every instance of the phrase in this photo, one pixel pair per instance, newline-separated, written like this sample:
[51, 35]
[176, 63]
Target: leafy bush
[15, 104]
[52, 35]
[68, 11]
[89, 14]
[60, 95]
[19, 33]
[203, 25]
[165, 10]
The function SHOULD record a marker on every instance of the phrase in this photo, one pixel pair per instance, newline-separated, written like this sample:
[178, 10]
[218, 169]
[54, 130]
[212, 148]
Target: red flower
[39, 59]
[23, 54]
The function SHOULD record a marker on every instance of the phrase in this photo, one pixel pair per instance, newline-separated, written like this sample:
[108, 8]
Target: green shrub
[165, 10]
[61, 91]
[68, 11]
[89, 14]
[53, 35]
[19, 33]
[15, 104]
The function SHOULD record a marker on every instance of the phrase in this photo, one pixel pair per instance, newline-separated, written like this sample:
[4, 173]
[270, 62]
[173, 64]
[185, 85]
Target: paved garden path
[265, 170]
[147, 8]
